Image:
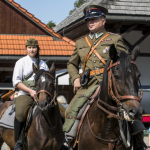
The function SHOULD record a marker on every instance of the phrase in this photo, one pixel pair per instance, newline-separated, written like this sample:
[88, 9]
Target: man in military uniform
[95, 61]
[95, 18]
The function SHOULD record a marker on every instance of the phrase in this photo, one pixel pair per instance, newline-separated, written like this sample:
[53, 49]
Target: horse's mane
[38, 73]
[125, 62]
[105, 75]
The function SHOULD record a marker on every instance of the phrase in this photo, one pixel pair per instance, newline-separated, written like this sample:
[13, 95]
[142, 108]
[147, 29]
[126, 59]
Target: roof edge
[38, 22]
[51, 58]
[110, 18]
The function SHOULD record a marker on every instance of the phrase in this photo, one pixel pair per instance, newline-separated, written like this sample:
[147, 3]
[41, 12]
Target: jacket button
[83, 50]
[94, 55]
[94, 61]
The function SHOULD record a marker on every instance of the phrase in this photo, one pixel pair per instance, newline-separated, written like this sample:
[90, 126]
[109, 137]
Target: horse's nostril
[45, 103]
[132, 112]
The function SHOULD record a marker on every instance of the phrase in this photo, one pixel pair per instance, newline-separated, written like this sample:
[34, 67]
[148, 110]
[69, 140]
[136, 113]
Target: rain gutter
[50, 58]
[110, 18]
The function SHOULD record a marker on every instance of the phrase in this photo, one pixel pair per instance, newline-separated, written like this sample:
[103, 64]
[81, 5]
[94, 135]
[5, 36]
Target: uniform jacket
[82, 48]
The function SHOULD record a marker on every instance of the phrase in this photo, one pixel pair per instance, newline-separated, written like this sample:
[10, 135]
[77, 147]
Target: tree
[77, 4]
[51, 24]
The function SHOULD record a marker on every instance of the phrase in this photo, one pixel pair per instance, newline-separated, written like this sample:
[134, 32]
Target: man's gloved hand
[76, 84]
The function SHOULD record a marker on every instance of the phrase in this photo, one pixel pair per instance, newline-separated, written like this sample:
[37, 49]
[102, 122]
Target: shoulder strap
[30, 75]
[93, 50]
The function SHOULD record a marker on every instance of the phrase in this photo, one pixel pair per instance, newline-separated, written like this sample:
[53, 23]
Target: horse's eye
[116, 77]
[51, 85]
[138, 76]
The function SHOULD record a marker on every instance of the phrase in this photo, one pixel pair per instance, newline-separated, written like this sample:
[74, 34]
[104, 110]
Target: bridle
[47, 92]
[116, 97]
[111, 86]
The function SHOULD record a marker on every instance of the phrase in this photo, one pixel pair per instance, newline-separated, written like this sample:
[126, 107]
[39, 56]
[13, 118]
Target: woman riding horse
[23, 79]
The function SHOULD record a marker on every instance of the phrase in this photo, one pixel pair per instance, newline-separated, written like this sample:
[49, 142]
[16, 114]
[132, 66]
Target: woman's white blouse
[23, 68]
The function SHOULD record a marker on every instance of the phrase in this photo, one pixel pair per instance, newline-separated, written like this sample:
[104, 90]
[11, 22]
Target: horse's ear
[113, 53]
[34, 68]
[52, 70]
[135, 53]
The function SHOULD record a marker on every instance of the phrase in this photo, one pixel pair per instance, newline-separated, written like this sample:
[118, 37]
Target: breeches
[79, 92]
[21, 103]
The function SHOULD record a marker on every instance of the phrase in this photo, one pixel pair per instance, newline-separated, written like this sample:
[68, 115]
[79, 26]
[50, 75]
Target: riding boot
[18, 126]
[70, 144]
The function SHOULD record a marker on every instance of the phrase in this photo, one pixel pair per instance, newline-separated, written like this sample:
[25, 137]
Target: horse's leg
[8, 137]
[1, 140]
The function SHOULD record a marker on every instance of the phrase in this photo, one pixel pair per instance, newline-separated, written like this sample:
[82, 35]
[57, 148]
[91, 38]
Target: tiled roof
[120, 7]
[25, 12]
[15, 45]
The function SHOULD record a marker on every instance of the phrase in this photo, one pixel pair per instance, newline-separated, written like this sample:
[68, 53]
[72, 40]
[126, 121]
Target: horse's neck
[51, 117]
[102, 125]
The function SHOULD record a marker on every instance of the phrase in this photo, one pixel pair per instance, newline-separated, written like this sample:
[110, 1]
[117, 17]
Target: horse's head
[125, 79]
[45, 87]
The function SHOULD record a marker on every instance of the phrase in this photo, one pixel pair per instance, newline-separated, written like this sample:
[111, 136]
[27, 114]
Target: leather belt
[96, 72]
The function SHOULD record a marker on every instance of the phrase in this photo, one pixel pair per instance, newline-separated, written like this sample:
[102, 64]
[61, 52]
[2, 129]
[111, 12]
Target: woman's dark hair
[37, 56]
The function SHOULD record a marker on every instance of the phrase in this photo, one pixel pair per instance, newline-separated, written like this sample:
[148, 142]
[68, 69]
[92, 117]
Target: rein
[44, 91]
[111, 84]
[117, 98]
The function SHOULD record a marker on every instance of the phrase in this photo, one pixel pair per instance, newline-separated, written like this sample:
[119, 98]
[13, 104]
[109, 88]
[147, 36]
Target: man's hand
[76, 84]
[32, 93]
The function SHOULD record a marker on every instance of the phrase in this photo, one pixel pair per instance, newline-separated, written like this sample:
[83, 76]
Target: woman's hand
[32, 93]
[22, 87]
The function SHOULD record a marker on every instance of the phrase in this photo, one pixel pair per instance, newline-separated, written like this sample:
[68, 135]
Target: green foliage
[51, 24]
[77, 4]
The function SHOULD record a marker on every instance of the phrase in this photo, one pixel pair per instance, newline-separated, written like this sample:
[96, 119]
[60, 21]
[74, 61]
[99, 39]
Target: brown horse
[45, 132]
[119, 91]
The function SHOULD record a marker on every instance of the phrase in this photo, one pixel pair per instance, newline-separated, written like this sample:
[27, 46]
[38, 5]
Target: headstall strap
[44, 91]
[111, 82]
[49, 75]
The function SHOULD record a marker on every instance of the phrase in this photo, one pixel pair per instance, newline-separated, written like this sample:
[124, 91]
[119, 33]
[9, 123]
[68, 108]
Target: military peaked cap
[32, 42]
[93, 10]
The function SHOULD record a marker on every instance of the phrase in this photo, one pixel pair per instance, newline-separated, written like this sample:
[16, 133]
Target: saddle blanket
[8, 118]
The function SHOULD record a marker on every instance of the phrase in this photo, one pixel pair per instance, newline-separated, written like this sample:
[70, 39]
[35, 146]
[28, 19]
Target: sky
[47, 10]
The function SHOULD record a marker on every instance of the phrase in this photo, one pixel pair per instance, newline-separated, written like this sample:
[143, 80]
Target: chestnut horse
[45, 132]
[100, 128]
